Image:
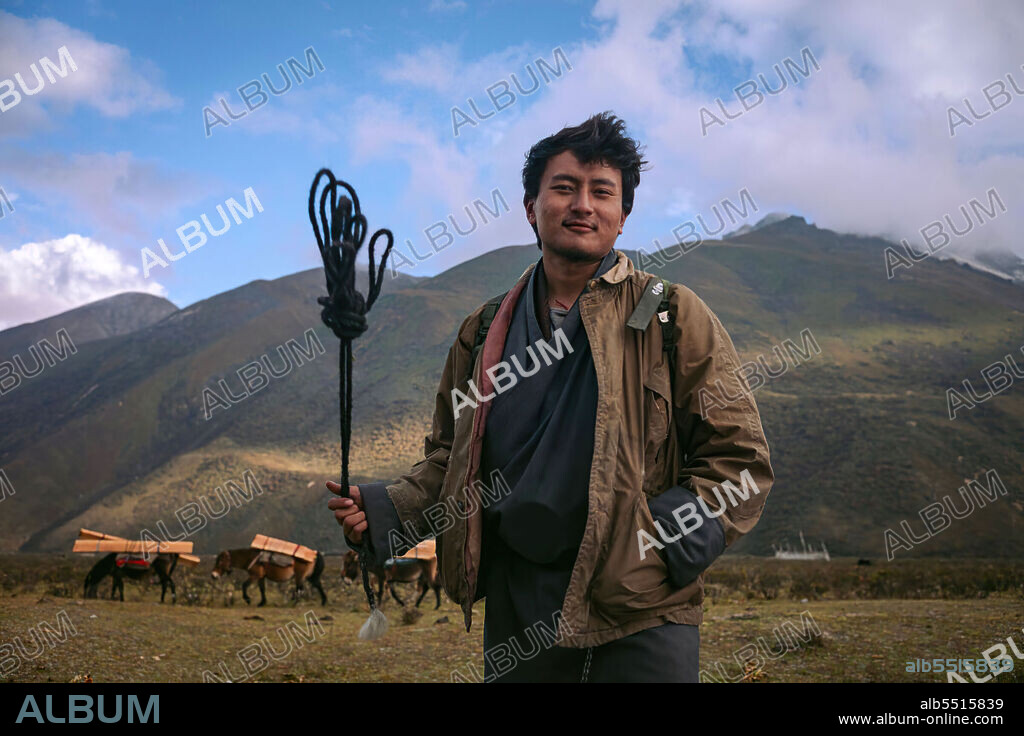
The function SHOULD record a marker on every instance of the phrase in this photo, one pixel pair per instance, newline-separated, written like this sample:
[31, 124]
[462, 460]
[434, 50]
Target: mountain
[117, 438]
[770, 219]
[115, 315]
[1003, 263]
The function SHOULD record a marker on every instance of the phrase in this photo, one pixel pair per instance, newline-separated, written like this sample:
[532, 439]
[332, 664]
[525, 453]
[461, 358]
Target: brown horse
[277, 568]
[423, 572]
[121, 566]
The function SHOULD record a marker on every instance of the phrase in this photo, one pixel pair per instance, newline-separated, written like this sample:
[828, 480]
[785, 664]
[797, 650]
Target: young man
[585, 498]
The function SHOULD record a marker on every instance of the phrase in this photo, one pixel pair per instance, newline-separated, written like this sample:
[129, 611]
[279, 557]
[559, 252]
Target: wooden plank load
[93, 541]
[281, 546]
[131, 546]
[425, 550]
[89, 534]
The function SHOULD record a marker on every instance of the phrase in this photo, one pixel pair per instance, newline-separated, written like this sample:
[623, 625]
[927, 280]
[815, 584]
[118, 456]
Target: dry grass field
[850, 623]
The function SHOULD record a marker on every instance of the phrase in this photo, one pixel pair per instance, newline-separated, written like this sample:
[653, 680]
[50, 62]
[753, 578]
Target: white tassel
[375, 627]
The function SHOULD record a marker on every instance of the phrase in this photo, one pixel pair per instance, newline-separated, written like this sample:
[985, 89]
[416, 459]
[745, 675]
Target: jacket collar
[620, 271]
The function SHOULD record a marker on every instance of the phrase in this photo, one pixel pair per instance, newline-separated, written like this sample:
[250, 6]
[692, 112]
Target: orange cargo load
[134, 547]
[281, 546]
[425, 550]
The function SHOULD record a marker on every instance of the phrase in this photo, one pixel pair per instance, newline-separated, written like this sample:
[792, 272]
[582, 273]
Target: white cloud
[861, 145]
[116, 192]
[432, 67]
[108, 78]
[297, 113]
[38, 280]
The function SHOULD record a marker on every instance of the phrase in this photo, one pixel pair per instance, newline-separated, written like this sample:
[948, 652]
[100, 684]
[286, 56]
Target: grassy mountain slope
[115, 437]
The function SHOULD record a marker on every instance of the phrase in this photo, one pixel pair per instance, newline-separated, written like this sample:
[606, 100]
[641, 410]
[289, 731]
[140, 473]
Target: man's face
[572, 193]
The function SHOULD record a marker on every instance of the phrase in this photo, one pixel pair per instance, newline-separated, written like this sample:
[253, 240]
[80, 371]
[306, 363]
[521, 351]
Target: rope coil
[340, 234]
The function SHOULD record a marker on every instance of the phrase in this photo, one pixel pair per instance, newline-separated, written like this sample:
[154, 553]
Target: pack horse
[418, 565]
[133, 560]
[275, 560]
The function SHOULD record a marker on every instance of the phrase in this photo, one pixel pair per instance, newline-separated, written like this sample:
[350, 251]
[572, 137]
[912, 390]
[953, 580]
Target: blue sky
[101, 163]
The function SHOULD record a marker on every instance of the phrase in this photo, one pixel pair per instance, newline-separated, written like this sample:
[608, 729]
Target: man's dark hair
[600, 138]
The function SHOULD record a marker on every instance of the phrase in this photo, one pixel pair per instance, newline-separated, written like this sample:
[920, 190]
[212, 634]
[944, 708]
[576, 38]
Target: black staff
[339, 238]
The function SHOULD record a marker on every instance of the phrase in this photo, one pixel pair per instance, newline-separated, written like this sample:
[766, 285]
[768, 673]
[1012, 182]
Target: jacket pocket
[627, 584]
[657, 421]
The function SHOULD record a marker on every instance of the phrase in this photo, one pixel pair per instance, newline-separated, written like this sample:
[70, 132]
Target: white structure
[806, 553]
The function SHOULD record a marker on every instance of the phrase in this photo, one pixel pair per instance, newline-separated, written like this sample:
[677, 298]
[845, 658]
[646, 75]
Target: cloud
[38, 280]
[107, 79]
[445, 5]
[299, 113]
[432, 67]
[118, 193]
[861, 144]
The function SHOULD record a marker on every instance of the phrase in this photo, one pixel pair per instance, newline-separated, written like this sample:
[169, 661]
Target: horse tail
[318, 566]
[174, 564]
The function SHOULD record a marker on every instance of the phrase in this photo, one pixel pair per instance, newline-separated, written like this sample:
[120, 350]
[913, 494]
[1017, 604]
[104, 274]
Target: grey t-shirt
[557, 315]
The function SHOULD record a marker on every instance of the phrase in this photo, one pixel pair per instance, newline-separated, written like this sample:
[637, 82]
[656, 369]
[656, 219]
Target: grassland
[872, 620]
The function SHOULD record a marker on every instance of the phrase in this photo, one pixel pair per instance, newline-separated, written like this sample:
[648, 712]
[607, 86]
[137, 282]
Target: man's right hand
[348, 512]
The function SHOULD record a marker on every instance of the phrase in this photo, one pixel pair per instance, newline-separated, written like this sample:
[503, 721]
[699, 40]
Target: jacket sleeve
[419, 489]
[384, 529]
[725, 473]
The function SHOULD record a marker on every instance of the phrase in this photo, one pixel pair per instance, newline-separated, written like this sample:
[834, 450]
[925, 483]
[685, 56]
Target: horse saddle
[400, 563]
[138, 563]
[276, 558]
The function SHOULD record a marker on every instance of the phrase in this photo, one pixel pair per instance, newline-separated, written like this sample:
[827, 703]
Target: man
[585, 496]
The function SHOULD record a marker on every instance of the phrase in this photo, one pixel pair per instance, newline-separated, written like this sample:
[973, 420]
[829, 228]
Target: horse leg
[263, 592]
[245, 591]
[422, 585]
[391, 587]
[437, 591]
[323, 595]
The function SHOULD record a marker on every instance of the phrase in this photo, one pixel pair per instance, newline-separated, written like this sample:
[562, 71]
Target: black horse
[133, 569]
[100, 570]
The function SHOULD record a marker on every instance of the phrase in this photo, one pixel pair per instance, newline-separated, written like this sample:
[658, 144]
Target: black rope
[340, 235]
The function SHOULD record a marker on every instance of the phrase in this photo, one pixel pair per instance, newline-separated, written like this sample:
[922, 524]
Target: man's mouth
[579, 227]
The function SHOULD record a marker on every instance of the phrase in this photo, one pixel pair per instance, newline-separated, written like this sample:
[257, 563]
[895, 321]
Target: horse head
[222, 566]
[99, 571]
[350, 565]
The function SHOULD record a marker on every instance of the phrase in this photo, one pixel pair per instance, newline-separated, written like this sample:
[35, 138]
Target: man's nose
[582, 202]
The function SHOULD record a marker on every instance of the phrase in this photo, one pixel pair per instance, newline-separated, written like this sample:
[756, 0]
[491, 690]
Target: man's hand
[348, 512]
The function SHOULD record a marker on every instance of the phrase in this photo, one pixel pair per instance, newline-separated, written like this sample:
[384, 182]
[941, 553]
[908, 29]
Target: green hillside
[115, 437]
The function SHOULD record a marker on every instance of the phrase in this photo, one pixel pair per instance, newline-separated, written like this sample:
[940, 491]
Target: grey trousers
[666, 653]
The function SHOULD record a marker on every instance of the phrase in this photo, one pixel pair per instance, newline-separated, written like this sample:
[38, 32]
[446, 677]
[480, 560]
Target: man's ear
[622, 221]
[528, 204]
